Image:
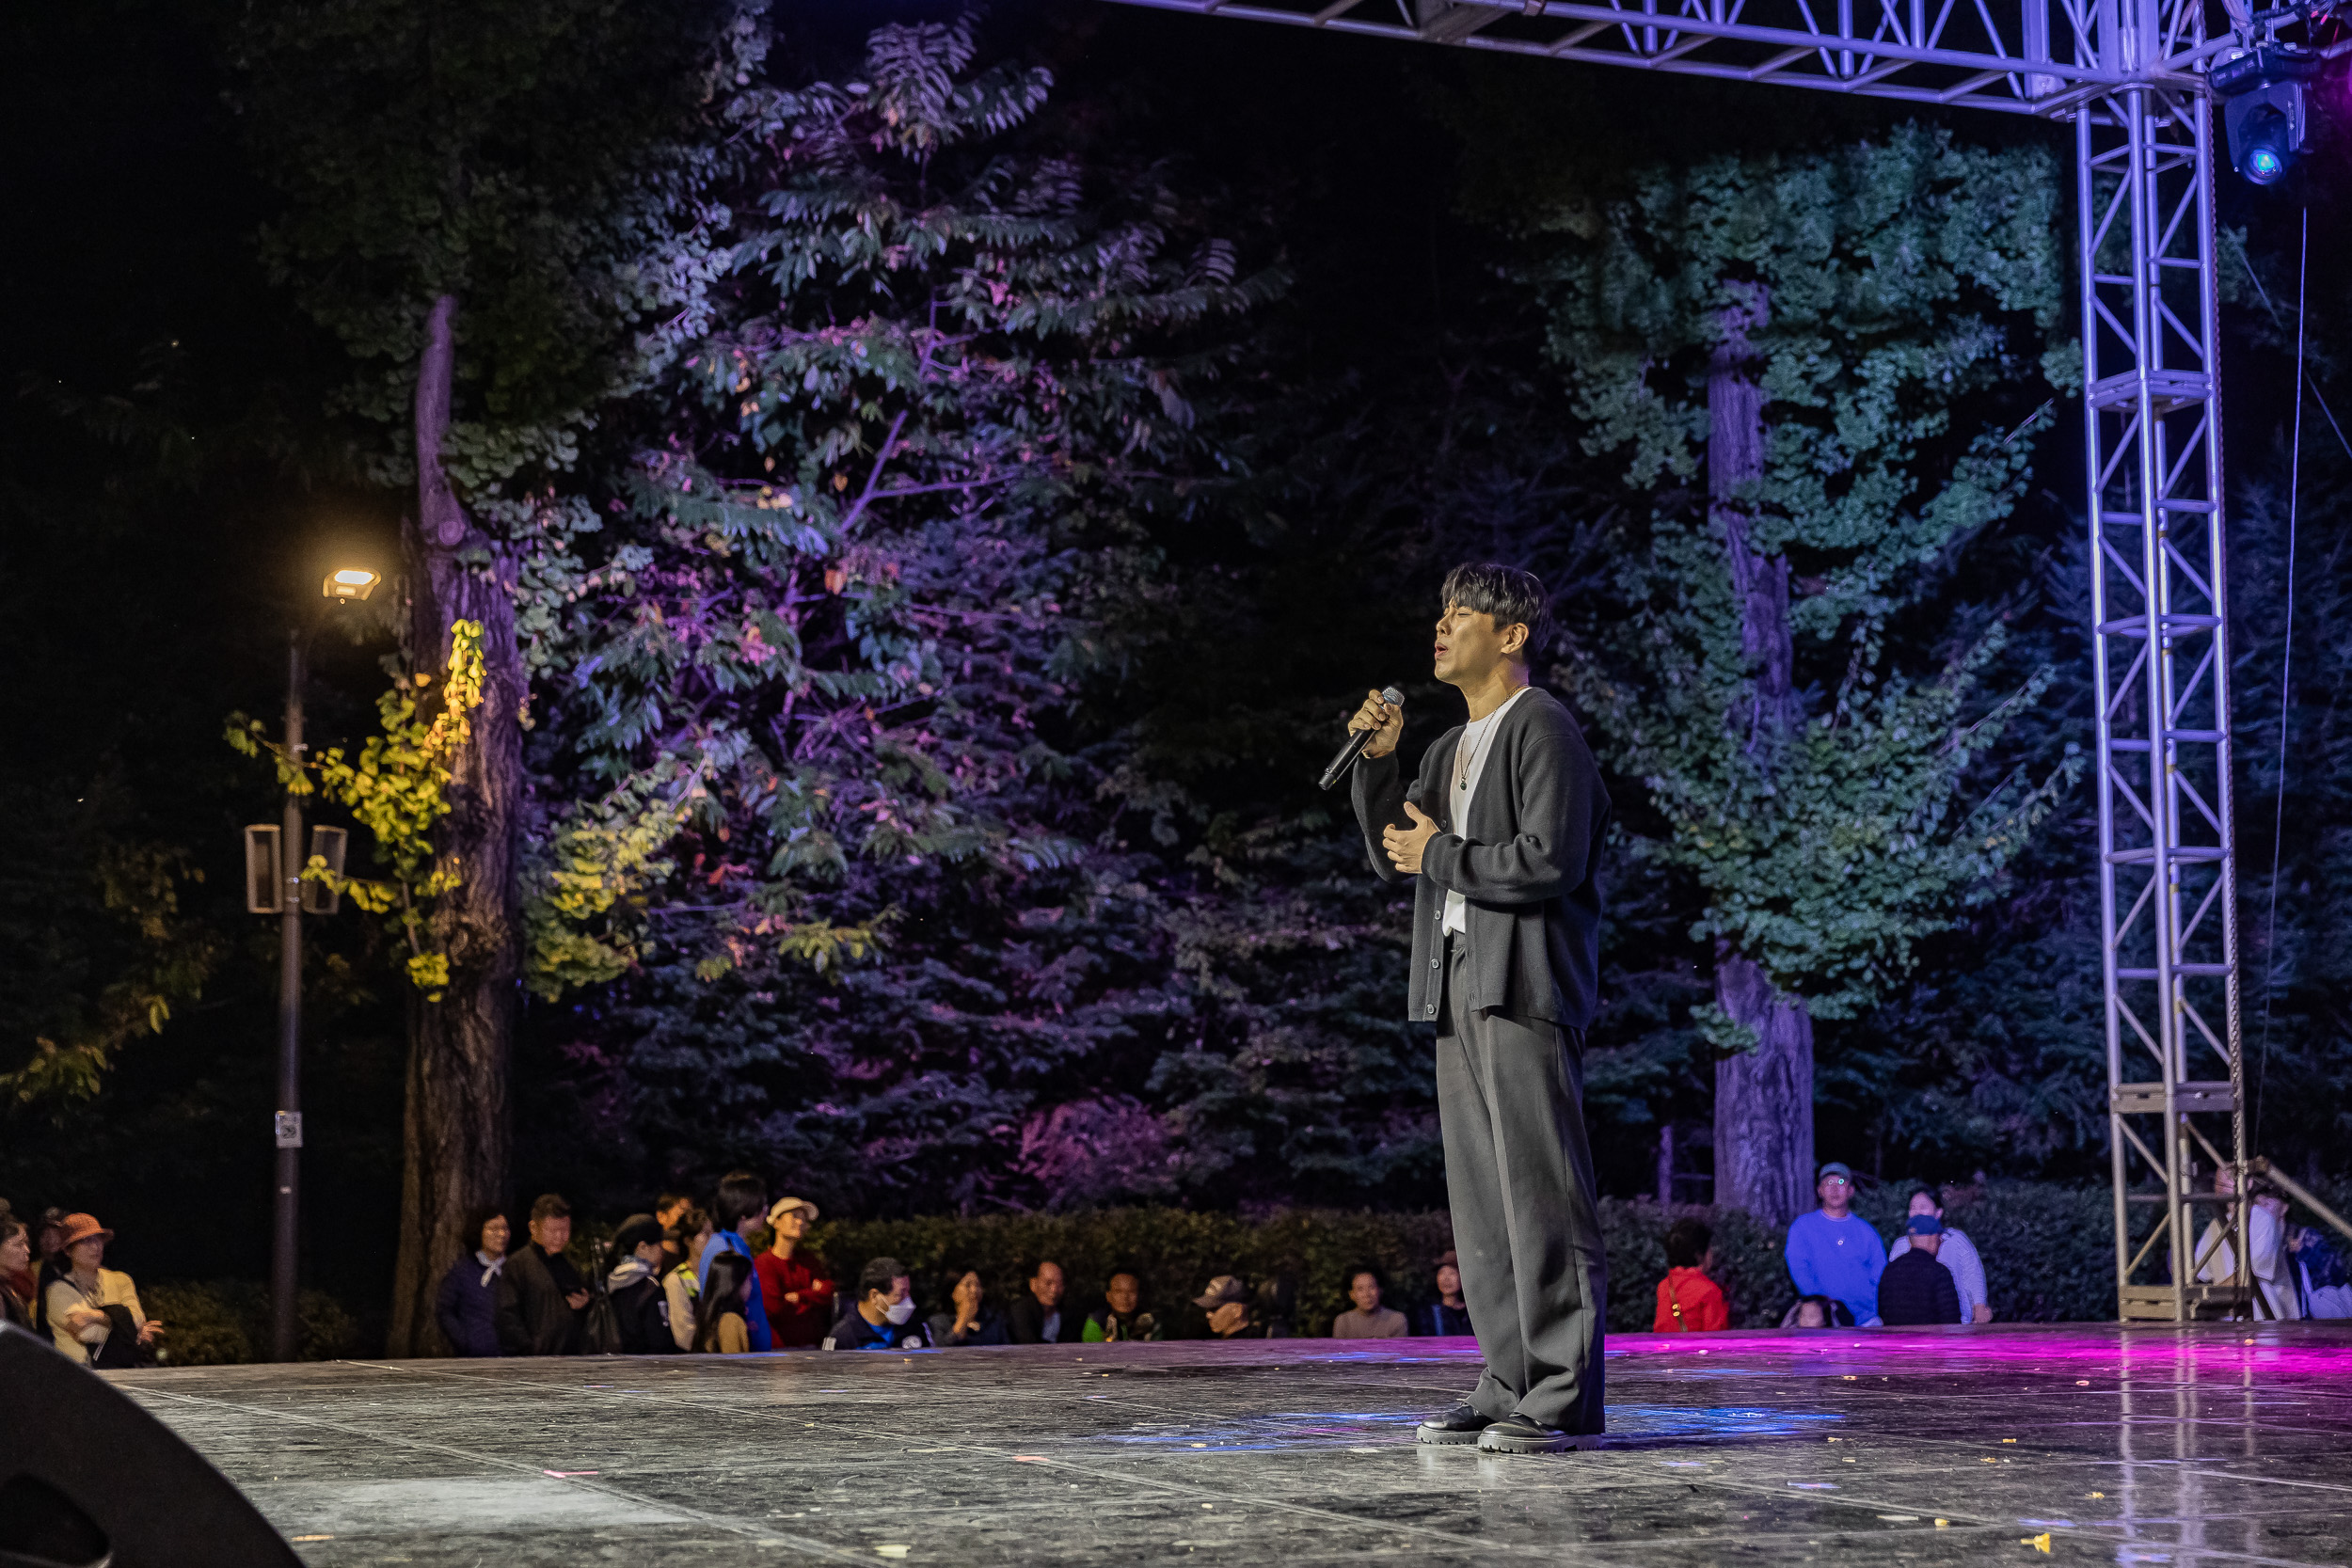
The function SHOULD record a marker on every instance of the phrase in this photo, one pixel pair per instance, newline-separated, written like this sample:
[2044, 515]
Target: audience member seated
[1917, 1288]
[93, 1313]
[726, 1288]
[641, 1309]
[2268, 1259]
[16, 1262]
[2324, 1284]
[1116, 1320]
[1817, 1312]
[1833, 1253]
[1276, 1316]
[1036, 1317]
[541, 1297]
[1688, 1299]
[742, 1203]
[467, 1307]
[1222, 1312]
[1448, 1317]
[685, 1239]
[1367, 1318]
[969, 1321]
[792, 1279]
[1957, 1253]
[883, 1316]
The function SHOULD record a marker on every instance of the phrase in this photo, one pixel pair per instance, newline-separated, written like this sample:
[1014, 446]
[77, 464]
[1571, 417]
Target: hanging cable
[2286, 671]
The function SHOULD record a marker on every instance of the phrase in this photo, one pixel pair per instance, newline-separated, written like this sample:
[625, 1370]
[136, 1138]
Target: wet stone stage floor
[2220, 1444]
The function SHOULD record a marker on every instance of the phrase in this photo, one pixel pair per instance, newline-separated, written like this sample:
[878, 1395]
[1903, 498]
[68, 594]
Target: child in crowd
[1689, 1301]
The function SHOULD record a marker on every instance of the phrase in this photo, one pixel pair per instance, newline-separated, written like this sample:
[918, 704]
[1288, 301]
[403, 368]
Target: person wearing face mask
[467, 1307]
[884, 1317]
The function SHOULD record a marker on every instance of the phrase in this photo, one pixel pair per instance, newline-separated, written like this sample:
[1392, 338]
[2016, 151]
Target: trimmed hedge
[2049, 1253]
[223, 1322]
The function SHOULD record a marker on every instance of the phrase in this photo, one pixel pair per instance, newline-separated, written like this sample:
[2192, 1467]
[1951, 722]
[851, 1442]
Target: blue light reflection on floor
[1341, 1427]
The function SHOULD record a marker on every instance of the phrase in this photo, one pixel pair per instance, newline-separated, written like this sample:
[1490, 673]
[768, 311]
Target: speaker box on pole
[88, 1479]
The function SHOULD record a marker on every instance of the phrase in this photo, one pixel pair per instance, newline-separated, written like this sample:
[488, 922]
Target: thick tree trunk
[1764, 1097]
[456, 1127]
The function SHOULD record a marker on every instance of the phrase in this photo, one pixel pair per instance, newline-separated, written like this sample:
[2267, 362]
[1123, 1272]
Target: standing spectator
[686, 1237]
[16, 1260]
[1367, 1318]
[1916, 1289]
[467, 1307]
[541, 1297]
[883, 1316]
[969, 1321]
[792, 1279]
[727, 1285]
[1448, 1317]
[641, 1309]
[1831, 1253]
[1116, 1320]
[94, 1314]
[1957, 1253]
[19, 1279]
[1688, 1299]
[1036, 1318]
[742, 1196]
[666, 1211]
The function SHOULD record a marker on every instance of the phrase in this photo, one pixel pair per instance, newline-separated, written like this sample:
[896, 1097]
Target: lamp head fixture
[350, 582]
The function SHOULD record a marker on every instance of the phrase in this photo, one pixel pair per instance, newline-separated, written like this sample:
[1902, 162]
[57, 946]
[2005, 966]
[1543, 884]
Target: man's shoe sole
[1450, 1435]
[1564, 1443]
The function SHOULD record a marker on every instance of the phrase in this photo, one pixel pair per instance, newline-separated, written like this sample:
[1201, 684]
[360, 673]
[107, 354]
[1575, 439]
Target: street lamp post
[274, 861]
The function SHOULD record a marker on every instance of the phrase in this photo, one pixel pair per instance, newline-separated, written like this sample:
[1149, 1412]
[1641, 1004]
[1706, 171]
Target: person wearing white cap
[792, 1280]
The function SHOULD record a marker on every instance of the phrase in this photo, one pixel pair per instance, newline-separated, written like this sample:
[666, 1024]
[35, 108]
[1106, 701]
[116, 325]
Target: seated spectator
[1222, 1312]
[1688, 1299]
[48, 1261]
[1367, 1318]
[1831, 1252]
[1817, 1312]
[541, 1297]
[2324, 1284]
[1117, 1321]
[93, 1313]
[16, 1260]
[467, 1305]
[641, 1309]
[1956, 1252]
[686, 1237]
[2270, 1262]
[970, 1320]
[726, 1288]
[1448, 1317]
[666, 1209]
[1276, 1315]
[883, 1316]
[1916, 1290]
[742, 1203]
[1036, 1317]
[792, 1279]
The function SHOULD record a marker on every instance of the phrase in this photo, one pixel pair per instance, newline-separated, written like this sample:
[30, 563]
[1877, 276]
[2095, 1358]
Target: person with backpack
[541, 1298]
[726, 1296]
[639, 1311]
[743, 1204]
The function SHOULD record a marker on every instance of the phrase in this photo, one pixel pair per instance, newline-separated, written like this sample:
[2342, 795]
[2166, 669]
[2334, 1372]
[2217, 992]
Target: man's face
[1836, 1192]
[1047, 1286]
[1364, 1292]
[1469, 646]
[554, 1233]
[494, 1235]
[1123, 1293]
[1924, 1203]
[789, 1226]
[667, 1214]
[1449, 1280]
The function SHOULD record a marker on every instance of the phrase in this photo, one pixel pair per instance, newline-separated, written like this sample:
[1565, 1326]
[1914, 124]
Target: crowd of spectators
[53, 1282]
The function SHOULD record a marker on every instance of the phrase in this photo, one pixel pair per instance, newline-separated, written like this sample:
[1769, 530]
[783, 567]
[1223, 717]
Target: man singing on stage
[1503, 827]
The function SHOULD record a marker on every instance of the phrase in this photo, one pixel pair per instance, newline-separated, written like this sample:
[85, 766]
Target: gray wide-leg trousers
[1518, 1170]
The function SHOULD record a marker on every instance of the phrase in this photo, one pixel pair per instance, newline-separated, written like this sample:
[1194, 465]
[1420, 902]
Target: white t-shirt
[1470, 766]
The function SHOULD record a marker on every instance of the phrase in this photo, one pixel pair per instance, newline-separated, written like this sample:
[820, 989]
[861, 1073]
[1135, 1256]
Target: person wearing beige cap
[94, 1314]
[792, 1279]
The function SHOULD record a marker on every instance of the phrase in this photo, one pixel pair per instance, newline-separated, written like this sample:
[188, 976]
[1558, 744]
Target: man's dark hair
[1032, 1267]
[1513, 597]
[636, 1231]
[550, 1207]
[1357, 1268]
[1686, 1241]
[742, 1196]
[879, 1273]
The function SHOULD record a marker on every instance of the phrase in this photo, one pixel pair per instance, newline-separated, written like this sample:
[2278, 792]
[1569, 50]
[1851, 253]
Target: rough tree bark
[1763, 1097]
[456, 1131]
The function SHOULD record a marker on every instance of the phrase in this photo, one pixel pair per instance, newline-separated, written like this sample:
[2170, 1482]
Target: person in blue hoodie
[742, 1200]
[467, 1307]
[1833, 1253]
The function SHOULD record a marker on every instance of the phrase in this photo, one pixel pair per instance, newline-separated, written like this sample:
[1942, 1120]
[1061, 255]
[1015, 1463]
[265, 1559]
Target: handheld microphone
[1357, 741]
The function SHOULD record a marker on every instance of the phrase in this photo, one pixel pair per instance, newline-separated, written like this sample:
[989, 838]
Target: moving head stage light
[2269, 90]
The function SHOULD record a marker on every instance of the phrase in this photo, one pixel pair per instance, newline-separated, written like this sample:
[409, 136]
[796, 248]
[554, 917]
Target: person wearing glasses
[1832, 1252]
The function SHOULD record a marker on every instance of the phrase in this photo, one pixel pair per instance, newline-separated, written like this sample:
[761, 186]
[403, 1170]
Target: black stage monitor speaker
[88, 1479]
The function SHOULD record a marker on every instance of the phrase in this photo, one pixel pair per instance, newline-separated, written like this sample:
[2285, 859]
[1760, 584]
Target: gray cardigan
[1523, 861]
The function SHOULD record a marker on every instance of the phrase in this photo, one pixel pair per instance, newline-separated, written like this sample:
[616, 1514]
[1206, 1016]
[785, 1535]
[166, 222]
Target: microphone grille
[1391, 695]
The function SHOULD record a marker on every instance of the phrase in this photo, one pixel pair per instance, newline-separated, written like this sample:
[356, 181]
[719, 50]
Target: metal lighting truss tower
[2130, 75]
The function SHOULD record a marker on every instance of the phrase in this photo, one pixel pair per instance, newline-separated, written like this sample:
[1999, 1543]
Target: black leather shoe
[1460, 1424]
[1517, 1433]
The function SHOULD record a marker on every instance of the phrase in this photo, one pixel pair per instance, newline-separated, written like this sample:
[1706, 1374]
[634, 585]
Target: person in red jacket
[1687, 1301]
[792, 1279]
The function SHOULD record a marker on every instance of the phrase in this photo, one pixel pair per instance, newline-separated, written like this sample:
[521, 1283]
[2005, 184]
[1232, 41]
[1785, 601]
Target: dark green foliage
[223, 1322]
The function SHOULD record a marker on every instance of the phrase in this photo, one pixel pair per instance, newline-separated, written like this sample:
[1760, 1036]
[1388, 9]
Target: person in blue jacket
[1833, 1253]
[467, 1307]
[742, 1203]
